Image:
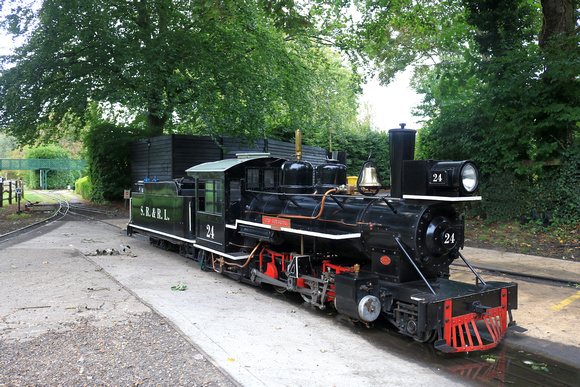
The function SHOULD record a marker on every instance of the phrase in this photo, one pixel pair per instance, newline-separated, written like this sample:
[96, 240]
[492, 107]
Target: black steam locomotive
[264, 220]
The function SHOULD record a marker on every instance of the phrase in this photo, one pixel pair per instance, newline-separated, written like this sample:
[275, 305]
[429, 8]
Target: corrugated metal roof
[224, 165]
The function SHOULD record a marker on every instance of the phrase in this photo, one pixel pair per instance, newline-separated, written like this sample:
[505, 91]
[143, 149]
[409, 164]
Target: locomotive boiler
[263, 220]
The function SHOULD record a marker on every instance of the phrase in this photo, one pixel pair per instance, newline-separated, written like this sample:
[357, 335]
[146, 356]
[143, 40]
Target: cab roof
[224, 165]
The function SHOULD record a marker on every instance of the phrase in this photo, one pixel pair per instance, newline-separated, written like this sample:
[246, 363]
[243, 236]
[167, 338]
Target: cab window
[269, 179]
[213, 196]
[210, 198]
[253, 178]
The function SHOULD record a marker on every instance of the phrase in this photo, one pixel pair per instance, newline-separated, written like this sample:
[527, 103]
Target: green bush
[359, 146]
[549, 194]
[108, 150]
[83, 187]
[559, 188]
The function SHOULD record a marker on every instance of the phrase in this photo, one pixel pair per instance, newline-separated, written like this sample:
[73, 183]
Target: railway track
[78, 210]
[58, 209]
[61, 209]
[514, 274]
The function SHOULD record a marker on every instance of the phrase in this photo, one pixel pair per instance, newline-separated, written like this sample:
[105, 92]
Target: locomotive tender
[262, 220]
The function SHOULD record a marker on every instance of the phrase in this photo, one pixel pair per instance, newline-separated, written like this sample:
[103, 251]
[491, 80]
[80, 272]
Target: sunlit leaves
[239, 68]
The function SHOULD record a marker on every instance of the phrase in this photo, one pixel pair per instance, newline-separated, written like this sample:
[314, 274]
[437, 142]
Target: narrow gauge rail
[61, 210]
[76, 208]
[517, 274]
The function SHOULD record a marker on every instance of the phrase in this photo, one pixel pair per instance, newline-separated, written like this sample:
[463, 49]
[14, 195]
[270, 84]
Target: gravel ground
[65, 322]
[143, 351]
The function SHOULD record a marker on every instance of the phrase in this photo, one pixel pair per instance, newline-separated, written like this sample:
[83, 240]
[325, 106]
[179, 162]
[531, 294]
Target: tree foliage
[501, 82]
[242, 67]
[511, 105]
[108, 153]
[7, 143]
[362, 145]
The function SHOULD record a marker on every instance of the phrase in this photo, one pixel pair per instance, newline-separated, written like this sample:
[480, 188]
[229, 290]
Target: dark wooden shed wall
[167, 157]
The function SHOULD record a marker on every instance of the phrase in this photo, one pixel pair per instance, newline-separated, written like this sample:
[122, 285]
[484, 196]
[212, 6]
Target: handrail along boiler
[263, 220]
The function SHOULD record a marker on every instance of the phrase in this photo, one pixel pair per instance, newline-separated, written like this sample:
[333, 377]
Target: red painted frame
[463, 327]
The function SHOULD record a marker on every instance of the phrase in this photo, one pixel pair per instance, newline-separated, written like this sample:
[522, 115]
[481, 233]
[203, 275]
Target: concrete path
[525, 264]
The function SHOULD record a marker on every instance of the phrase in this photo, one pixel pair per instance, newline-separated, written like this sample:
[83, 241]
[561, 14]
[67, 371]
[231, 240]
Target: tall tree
[501, 81]
[212, 66]
[558, 40]
[503, 49]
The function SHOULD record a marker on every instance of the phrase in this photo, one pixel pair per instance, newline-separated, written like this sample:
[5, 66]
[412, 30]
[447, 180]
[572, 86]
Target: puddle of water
[502, 366]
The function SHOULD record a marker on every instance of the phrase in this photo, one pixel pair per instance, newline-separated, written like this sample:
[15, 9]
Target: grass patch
[22, 215]
[5, 196]
[32, 197]
[561, 242]
[29, 196]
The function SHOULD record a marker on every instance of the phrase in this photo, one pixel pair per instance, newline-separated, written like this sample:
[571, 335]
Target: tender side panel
[166, 214]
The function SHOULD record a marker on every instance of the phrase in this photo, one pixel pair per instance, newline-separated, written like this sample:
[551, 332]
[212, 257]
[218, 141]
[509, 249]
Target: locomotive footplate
[465, 317]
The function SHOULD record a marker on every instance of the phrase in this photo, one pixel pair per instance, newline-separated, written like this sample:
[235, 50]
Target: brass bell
[369, 178]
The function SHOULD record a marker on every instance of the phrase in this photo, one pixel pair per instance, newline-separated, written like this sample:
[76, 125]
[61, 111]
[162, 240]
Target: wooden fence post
[10, 187]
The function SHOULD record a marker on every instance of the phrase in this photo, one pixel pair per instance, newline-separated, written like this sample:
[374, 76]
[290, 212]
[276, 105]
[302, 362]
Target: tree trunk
[558, 23]
[558, 18]
[155, 125]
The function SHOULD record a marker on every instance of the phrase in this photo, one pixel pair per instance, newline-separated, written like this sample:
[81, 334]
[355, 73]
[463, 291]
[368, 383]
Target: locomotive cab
[220, 199]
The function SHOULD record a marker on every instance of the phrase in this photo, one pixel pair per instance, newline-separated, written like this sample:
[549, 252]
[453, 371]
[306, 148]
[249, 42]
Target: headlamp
[469, 177]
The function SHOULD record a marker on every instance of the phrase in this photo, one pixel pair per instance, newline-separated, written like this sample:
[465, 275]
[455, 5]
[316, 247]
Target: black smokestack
[402, 147]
